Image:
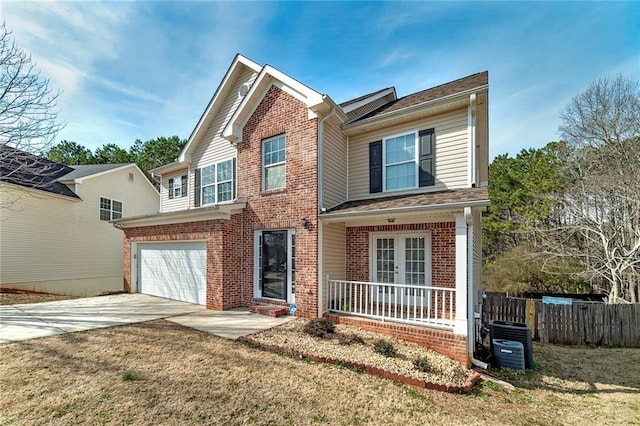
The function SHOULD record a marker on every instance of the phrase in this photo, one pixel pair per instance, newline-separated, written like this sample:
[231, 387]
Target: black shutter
[375, 166]
[233, 180]
[426, 177]
[196, 191]
[184, 186]
[170, 188]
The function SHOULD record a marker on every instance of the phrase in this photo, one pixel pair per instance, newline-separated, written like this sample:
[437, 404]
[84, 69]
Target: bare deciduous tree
[28, 114]
[599, 220]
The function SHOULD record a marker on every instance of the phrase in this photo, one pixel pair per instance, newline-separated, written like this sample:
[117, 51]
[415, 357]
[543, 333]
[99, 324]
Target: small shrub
[350, 339]
[127, 376]
[384, 347]
[422, 364]
[320, 327]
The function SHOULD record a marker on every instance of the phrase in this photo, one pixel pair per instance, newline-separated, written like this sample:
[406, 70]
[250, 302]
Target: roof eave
[412, 209]
[217, 211]
[394, 114]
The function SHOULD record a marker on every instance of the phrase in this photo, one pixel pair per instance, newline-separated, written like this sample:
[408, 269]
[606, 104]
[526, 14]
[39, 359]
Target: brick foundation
[444, 342]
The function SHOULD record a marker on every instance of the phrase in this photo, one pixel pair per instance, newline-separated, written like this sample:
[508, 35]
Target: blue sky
[138, 70]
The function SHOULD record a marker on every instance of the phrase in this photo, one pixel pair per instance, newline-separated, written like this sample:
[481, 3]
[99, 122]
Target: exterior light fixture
[391, 219]
[304, 222]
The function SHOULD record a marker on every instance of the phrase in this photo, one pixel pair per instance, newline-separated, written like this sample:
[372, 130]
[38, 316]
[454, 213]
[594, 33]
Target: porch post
[460, 326]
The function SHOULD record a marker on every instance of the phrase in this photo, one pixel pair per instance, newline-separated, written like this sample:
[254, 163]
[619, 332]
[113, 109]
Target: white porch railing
[413, 304]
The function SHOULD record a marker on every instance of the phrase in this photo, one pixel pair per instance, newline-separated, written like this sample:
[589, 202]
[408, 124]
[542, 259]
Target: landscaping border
[419, 383]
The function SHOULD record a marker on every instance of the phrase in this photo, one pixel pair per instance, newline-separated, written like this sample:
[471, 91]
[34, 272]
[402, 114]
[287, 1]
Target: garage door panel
[173, 270]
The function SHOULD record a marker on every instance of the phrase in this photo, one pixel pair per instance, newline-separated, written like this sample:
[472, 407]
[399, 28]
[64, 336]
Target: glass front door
[402, 259]
[275, 265]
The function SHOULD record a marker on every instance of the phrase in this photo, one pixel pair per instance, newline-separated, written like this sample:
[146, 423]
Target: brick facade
[230, 243]
[280, 113]
[225, 289]
[443, 250]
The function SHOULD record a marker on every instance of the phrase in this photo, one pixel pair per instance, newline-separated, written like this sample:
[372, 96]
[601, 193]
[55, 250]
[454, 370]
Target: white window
[400, 162]
[217, 182]
[176, 189]
[273, 160]
[110, 209]
[209, 184]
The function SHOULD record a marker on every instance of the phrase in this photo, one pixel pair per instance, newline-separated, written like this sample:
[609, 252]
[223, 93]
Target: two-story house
[366, 212]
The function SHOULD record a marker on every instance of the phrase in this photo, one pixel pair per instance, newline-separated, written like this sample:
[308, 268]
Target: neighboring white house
[55, 230]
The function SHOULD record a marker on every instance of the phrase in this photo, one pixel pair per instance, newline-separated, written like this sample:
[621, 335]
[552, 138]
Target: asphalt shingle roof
[359, 98]
[428, 199]
[30, 171]
[89, 169]
[437, 92]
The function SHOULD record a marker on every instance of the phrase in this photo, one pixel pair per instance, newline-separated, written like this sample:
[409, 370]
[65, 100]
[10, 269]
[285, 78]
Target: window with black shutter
[375, 167]
[170, 188]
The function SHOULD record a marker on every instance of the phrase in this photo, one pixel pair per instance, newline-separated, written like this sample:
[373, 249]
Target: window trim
[217, 183]
[281, 163]
[110, 210]
[175, 186]
[416, 158]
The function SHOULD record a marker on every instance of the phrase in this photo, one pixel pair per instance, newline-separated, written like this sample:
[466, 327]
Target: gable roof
[269, 76]
[470, 82]
[30, 171]
[207, 115]
[363, 97]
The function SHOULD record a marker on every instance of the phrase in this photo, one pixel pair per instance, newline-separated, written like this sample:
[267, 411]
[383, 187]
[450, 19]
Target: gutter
[469, 204]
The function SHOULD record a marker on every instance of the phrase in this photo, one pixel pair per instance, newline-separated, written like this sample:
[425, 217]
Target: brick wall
[225, 288]
[280, 113]
[443, 250]
[445, 342]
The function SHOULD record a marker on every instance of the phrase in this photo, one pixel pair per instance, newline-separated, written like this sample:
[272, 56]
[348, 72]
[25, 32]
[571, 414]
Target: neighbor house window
[404, 161]
[273, 160]
[178, 187]
[110, 209]
[215, 183]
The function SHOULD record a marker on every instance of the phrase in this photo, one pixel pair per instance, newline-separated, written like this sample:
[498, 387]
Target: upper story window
[273, 163]
[402, 162]
[215, 183]
[110, 209]
[178, 187]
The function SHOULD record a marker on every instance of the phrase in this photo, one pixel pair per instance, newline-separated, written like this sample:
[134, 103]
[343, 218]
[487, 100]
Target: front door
[401, 258]
[275, 265]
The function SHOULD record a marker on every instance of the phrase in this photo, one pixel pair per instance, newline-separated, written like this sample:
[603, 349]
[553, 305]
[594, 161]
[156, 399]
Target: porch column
[460, 326]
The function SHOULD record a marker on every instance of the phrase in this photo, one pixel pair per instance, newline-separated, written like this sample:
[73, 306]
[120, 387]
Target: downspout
[321, 202]
[471, 320]
[471, 124]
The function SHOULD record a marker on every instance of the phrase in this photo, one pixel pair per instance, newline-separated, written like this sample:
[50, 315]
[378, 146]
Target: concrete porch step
[269, 310]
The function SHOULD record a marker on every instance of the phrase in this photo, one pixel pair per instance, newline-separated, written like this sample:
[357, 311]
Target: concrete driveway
[29, 321]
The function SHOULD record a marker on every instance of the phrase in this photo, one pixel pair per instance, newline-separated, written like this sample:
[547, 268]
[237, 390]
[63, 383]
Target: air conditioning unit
[517, 332]
[508, 354]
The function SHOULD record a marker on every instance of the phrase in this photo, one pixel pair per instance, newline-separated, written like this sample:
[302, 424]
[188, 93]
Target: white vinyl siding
[213, 148]
[451, 146]
[54, 244]
[334, 166]
[175, 203]
[333, 251]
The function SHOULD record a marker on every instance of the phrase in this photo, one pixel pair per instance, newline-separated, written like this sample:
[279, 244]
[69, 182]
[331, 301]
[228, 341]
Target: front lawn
[162, 373]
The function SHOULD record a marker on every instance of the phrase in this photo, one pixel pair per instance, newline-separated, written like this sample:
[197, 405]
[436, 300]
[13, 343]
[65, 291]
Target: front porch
[411, 304]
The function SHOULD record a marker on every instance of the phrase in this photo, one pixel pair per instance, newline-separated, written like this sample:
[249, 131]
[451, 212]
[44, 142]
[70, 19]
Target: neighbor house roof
[30, 171]
[463, 84]
[457, 197]
[81, 171]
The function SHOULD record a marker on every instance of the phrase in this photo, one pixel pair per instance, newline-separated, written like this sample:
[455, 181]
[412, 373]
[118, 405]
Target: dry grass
[14, 297]
[161, 373]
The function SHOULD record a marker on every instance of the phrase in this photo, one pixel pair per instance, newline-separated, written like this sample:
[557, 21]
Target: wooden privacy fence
[598, 324]
[581, 323]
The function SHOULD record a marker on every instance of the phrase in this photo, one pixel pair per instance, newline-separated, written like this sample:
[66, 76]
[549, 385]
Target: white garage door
[173, 270]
